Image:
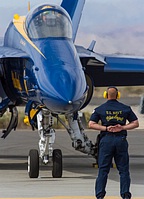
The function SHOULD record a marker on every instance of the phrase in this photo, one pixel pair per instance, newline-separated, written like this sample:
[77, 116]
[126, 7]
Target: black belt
[104, 133]
[115, 134]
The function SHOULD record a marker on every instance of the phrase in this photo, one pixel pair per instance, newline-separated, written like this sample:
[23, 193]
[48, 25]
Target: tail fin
[74, 8]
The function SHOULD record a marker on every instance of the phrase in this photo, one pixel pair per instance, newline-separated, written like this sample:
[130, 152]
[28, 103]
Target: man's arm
[131, 125]
[96, 126]
[117, 128]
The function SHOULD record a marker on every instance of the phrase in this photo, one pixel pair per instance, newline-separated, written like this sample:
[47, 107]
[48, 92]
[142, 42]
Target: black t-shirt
[113, 112]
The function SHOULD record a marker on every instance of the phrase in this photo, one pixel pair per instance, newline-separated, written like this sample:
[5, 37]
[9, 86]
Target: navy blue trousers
[113, 146]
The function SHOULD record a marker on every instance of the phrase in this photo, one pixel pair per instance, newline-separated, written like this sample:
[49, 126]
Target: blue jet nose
[68, 84]
[64, 89]
[60, 78]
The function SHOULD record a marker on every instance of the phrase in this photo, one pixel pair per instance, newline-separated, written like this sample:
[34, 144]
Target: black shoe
[127, 196]
[100, 198]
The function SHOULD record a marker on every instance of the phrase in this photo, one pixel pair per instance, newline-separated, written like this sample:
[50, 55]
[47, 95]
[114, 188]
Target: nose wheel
[57, 163]
[33, 163]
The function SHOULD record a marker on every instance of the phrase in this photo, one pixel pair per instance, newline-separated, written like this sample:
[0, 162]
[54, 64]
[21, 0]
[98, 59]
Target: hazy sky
[116, 25]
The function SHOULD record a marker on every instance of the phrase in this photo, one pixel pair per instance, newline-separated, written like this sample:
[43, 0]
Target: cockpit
[48, 21]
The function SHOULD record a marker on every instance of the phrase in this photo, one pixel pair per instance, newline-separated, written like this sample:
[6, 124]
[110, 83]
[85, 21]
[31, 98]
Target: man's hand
[114, 129]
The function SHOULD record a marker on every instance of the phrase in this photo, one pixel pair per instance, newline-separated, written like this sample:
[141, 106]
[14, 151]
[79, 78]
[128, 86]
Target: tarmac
[78, 180]
[79, 175]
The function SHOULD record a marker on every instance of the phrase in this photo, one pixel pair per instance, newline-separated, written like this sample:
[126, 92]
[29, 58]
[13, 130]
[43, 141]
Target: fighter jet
[43, 70]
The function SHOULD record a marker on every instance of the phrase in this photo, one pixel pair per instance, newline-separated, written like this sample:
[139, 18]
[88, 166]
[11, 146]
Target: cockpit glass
[49, 23]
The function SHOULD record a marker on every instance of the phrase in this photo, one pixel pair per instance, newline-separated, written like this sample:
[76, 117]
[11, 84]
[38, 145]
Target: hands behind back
[114, 129]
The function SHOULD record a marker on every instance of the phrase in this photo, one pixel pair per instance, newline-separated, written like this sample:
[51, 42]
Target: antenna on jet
[92, 45]
[28, 5]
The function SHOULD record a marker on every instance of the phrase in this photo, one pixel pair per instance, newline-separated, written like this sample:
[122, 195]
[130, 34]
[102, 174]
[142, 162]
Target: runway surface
[79, 175]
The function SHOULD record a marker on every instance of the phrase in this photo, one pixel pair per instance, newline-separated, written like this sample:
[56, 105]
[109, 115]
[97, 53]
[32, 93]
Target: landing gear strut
[46, 153]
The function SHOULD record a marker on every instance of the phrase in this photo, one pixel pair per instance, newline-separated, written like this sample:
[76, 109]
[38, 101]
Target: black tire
[33, 163]
[57, 164]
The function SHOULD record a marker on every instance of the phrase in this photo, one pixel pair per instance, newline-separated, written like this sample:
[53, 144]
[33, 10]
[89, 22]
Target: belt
[103, 133]
[114, 134]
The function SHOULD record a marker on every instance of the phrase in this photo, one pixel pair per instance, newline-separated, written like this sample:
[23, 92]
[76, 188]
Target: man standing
[113, 144]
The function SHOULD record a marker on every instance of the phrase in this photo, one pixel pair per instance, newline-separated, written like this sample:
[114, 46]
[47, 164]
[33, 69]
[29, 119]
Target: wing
[109, 70]
[118, 63]
[6, 52]
[11, 59]
[74, 8]
[8, 57]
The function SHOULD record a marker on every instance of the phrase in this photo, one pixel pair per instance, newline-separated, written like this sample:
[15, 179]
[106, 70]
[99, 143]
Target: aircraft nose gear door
[46, 153]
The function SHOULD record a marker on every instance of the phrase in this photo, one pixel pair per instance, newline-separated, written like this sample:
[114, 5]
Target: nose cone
[62, 107]
[69, 85]
[65, 89]
[60, 78]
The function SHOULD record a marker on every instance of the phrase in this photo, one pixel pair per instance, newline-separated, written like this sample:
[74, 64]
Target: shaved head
[112, 93]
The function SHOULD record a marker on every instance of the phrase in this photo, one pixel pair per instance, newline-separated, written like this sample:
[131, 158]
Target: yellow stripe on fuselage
[20, 24]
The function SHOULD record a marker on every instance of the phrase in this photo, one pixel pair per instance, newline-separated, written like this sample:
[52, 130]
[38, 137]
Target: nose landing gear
[46, 153]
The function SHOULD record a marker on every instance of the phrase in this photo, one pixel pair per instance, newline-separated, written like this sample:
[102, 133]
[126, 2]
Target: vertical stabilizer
[74, 8]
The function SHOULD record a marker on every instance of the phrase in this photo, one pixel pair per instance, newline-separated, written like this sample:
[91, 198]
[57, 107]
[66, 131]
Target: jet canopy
[48, 21]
